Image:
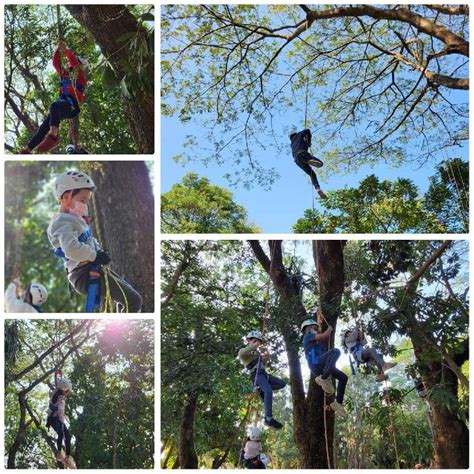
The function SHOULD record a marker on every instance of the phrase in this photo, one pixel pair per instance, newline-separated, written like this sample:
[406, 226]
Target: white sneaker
[381, 377]
[388, 366]
[325, 384]
[338, 408]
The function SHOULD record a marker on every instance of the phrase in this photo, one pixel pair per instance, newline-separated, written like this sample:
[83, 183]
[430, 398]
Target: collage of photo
[310, 164]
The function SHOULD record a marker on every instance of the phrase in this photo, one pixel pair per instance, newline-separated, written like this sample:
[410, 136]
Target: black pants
[59, 110]
[254, 463]
[79, 279]
[63, 434]
[302, 161]
[326, 367]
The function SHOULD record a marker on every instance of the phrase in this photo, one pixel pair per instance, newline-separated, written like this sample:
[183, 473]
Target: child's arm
[10, 294]
[75, 250]
[71, 57]
[325, 335]
[57, 61]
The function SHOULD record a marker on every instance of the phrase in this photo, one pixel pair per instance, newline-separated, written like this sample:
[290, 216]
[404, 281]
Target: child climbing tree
[118, 113]
[409, 297]
[100, 427]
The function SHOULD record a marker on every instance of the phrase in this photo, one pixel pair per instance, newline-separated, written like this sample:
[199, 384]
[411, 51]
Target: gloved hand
[102, 258]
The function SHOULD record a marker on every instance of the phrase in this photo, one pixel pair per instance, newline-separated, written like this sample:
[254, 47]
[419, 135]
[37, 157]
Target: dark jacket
[300, 141]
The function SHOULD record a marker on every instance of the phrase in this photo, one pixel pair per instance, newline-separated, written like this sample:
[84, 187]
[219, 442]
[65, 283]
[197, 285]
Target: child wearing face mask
[72, 239]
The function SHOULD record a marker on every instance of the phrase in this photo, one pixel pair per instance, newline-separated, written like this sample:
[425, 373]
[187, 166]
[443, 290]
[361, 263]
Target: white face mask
[79, 209]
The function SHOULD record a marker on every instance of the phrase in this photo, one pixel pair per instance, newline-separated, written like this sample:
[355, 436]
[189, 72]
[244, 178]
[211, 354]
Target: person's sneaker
[70, 463]
[322, 194]
[49, 143]
[338, 408]
[272, 423]
[25, 151]
[325, 384]
[388, 366]
[60, 457]
[381, 377]
[316, 163]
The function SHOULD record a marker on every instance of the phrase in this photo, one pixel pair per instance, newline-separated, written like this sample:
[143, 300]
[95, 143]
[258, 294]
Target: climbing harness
[93, 289]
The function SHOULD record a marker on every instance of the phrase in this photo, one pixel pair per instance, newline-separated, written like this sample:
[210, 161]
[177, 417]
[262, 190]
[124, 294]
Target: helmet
[264, 459]
[254, 335]
[70, 180]
[308, 322]
[85, 63]
[254, 433]
[39, 294]
[64, 384]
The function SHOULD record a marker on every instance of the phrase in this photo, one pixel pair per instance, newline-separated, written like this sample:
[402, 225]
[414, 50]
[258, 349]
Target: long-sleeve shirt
[353, 338]
[15, 305]
[64, 231]
[249, 354]
[300, 141]
[252, 449]
[66, 74]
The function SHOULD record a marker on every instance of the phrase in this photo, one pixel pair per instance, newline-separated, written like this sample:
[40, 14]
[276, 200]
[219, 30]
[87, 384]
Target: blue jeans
[267, 383]
[327, 366]
[302, 161]
[59, 110]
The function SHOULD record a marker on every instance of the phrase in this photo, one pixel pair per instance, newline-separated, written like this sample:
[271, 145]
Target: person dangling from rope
[71, 97]
[254, 357]
[25, 301]
[56, 418]
[420, 388]
[252, 456]
[72, 239]
[300, 144]
[322, 362]
[354, 342]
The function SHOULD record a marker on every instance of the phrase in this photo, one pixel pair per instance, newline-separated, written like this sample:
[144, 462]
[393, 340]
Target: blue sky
[277, 209]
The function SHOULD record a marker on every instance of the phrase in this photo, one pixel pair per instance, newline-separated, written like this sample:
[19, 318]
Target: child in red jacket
[67, 106]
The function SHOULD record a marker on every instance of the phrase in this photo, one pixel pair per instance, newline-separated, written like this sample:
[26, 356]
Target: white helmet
[254, 335]
[39, 294]
[85, 63]
[265, 460]
[254, 433]
[70, 180]
[64, 384]
[308, 322]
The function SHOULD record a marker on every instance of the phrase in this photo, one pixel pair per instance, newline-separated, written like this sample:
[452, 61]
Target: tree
[31, 32]
[436, 323]
[378, 81]
[111, 367]
[128, 47]
[123, 205]
[395, 206]
[195, 206]
[308, 410]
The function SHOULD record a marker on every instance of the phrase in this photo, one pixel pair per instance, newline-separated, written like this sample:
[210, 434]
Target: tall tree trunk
[125, 222]
[450, 434]
[108, 24]
[308, 411]
[187, 455]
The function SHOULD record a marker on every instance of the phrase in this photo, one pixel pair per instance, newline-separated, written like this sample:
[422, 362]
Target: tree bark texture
[187, 454]
[308, 411]
[107, 24]
[124, 203]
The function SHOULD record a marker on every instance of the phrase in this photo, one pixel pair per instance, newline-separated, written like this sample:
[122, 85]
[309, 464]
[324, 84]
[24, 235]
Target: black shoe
[273, 423]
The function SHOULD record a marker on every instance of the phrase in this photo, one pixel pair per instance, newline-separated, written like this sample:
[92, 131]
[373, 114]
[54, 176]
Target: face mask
[78, 209]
